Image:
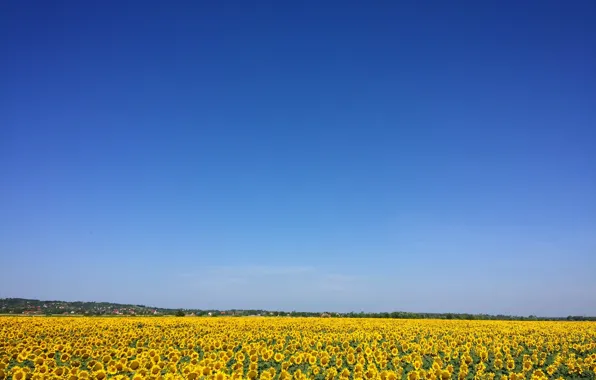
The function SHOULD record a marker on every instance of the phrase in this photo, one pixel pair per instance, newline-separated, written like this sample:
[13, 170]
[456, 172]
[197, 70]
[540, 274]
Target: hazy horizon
[412, 156]
[150, 306]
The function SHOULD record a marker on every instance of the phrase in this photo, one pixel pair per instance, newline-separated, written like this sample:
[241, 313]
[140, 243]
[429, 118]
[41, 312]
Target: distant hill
[37, 307]
[31, 306]
[20, 306]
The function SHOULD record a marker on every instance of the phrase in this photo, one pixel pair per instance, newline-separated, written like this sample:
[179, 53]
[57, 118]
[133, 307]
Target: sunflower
[370, 373]
[267, 355]
[59, 371]
[100, 375]
[134, 365]
[112, 370]
[155, 370]
[97, 366]
[19, 374]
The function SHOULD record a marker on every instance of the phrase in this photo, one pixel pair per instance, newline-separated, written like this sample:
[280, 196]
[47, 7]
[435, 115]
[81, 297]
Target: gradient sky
[424, 156]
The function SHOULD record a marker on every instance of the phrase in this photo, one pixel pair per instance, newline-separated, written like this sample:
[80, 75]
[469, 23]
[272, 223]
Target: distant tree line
[29, 306]
[464, 316]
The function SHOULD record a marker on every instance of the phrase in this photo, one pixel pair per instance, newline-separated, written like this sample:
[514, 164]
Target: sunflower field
[152, 348]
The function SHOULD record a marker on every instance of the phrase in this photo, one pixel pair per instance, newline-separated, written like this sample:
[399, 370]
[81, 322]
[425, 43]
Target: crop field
[292, 348]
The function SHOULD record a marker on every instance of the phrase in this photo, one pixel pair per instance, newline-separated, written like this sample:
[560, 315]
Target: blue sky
[417, 156]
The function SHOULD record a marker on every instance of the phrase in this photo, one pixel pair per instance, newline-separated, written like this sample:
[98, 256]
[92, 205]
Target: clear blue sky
[306, 155]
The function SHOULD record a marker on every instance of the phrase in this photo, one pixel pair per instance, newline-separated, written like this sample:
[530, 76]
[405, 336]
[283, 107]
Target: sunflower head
[100, 375]
[19, 375]
[278, 357]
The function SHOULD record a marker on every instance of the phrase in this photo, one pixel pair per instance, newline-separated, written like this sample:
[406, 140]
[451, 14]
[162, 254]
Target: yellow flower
[19, 375]
[97, 367]
[155, 370]
[100, 375]
[134, 365]
[510, 365]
